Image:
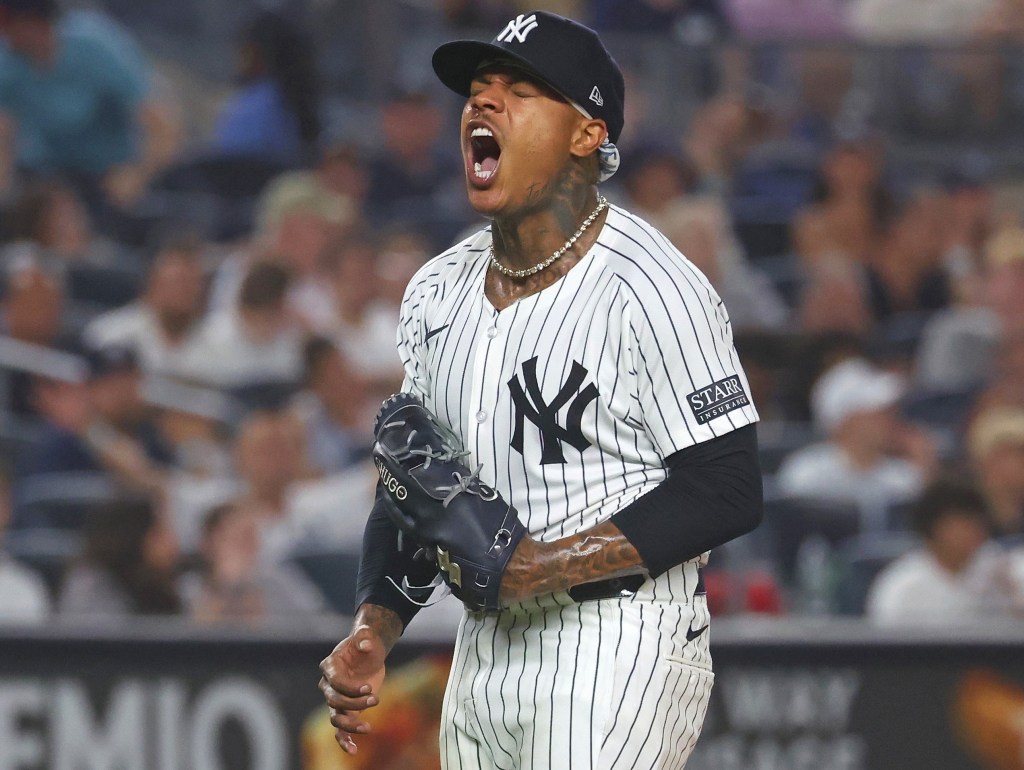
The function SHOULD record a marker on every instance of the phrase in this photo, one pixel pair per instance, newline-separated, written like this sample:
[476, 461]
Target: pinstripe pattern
[550, 683]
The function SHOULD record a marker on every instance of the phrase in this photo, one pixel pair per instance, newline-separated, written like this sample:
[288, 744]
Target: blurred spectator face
[302, 238]
[970, 207]
[956, 537]
[268, 452]
[1006, 293]
[264, 324]
[354, 286]
[176, 290]
[231, 544]
[996, 446]
[1010, 365]
[116, 397]
[343, 172]
[262, 306]
[1002, 465]
[834, 300]
[411, 125]
[871, 432]
[34, 307]
[658, 181]
[825, 78]
[51, 215]
[335, 382]
[1004, 276]
[65, 227]
[851, 169]
[31, 35]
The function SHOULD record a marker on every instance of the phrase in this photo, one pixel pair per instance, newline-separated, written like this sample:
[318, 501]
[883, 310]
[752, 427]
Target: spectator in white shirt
[871, 457]
[958, 576]
[334, 409]
[162, 325]
[256, 341]
[234, 585]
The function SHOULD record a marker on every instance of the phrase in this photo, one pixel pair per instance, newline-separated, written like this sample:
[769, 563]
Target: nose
[487, 99]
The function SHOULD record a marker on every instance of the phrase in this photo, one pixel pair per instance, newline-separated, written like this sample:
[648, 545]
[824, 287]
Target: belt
[619, 587]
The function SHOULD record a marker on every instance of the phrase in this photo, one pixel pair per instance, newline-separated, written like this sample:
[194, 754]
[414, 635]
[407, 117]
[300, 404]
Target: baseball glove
[439, 502]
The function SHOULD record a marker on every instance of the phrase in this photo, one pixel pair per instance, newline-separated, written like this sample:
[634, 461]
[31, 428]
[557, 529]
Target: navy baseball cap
[563, 53]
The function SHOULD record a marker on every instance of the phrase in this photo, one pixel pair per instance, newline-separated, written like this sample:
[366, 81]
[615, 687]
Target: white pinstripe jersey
[572, 398]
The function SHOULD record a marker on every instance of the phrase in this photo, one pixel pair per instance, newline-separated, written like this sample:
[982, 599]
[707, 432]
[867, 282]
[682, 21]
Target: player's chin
[489, 201]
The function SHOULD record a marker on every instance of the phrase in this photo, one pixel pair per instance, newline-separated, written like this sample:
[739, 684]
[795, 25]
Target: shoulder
[810, 463]
[452, 266]
[95, 45]
[903, 575]
[93, 30]
[646, 263]
[24, 593]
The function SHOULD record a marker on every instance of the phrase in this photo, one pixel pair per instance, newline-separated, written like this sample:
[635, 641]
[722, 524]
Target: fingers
[348, 722]
[348, 701]
[345, 741]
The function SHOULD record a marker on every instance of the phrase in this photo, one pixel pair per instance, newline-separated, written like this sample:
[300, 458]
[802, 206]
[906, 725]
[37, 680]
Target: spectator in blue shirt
[76, 99]
[275, 113]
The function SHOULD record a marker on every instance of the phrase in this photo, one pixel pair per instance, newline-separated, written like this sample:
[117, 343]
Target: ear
[589, 134]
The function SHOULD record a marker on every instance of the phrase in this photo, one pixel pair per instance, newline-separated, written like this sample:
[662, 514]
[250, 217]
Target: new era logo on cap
[596, 98]
[517, 29]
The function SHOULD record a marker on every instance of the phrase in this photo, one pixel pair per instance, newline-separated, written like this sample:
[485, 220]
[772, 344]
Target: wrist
[521, 579]
[382, 622]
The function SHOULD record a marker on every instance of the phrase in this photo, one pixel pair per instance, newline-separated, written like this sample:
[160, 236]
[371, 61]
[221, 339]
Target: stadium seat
[47, 551]
[790, 521]
[334, 573]
[60, 500]
[861, 558]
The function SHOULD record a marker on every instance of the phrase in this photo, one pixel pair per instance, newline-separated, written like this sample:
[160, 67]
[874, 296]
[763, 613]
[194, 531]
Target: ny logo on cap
[518, 28]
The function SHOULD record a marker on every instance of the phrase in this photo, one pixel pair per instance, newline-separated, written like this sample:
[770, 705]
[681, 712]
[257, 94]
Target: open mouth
[484, 154]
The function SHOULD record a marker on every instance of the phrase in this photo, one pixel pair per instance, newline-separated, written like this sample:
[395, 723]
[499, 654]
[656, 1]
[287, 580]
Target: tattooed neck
[552, 213]
[526, 238]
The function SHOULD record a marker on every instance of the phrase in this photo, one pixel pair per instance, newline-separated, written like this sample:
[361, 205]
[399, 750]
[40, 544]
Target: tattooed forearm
[599, 553]
[383, 622]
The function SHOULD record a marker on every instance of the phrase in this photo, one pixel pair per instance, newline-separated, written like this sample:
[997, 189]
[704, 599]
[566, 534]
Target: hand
[352, 677]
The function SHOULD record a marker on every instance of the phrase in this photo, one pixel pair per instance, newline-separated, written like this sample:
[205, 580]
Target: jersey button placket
[485, 364]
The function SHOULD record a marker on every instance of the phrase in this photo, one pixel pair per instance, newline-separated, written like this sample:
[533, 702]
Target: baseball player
[586, 371]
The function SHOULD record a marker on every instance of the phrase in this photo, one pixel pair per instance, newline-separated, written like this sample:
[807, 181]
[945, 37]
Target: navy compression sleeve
[713, 493]
[382, 559]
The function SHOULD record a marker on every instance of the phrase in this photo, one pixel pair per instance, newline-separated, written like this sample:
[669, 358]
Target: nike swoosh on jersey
[691, 634]
[434, 332]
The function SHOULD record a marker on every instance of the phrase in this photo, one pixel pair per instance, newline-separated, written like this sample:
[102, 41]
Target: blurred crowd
[199, 311]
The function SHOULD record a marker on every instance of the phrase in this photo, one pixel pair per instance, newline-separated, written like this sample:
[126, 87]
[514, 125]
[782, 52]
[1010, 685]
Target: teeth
[481, 131]
[479, 171]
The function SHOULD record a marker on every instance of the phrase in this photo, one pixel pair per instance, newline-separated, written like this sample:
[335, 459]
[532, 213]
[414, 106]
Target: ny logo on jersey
[545, 415]
[518, 28]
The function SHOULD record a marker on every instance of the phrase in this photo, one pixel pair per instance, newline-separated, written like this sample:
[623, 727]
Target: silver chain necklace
[602, 204]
